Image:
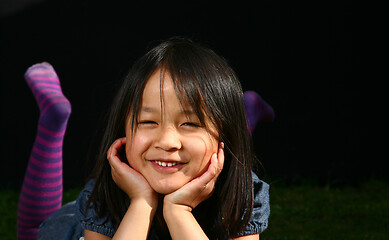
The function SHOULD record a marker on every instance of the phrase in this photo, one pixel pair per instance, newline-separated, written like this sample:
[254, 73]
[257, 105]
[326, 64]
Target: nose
[168, 139]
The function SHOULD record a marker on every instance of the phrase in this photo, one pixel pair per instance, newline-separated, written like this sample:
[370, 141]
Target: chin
[167, 189]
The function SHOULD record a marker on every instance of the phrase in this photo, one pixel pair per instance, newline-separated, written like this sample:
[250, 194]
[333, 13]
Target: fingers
[216, 166]
[200, 188]
[205, 184]
[117, 166]
[113, 150]
[112, 153]
[220, 157]
[127, 178]
[119, 169]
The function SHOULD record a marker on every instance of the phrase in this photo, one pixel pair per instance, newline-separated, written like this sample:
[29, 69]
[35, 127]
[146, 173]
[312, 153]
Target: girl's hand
[144, 200]
[128, 179]
[177, 206]
[200, 188]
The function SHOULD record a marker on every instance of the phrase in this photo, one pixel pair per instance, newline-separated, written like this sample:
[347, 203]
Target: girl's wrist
[171, 210]
[181, 222]
[145, 203]
[137, 221]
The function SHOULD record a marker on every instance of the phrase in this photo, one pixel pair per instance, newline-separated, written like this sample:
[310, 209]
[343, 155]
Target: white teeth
[164, 164]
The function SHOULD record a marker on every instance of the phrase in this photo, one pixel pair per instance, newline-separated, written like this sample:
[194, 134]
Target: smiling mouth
[166, 164]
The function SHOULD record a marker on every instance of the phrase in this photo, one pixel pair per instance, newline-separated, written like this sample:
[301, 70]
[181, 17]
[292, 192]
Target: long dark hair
[205, 81]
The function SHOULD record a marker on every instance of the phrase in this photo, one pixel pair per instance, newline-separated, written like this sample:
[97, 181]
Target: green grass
[308, 211]
[8, 210]
[298, 211]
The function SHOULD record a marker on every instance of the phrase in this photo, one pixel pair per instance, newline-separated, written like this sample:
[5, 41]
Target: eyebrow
[188, 112]
[148, 109]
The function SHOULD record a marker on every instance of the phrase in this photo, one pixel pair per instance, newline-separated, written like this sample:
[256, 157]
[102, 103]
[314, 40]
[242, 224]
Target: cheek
[135, 149]
[201, 149]
[129, 154]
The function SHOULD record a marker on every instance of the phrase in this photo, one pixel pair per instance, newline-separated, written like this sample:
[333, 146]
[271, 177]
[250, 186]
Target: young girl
[176, 160]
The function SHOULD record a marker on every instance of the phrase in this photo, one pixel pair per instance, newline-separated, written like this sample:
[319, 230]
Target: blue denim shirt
[70, 221]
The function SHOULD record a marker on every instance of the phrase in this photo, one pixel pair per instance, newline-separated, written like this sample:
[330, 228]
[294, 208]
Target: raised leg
[41, 193]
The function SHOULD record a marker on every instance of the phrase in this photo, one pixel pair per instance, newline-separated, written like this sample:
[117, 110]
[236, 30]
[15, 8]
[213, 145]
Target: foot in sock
[257, 110]
[41, 193]
[45, 85]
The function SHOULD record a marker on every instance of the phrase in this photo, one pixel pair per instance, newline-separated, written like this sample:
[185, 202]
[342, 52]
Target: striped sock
[41, 193]
[257, 110]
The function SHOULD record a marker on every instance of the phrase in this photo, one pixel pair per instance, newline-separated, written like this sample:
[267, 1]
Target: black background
[303, 58]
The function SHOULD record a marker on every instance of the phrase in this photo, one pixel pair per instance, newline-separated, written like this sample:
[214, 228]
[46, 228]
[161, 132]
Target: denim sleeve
[89, 218]
[261, 209]
[62, 225]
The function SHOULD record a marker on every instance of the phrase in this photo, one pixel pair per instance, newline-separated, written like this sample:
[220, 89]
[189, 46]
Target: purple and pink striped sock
[41, 193]
[257, 109]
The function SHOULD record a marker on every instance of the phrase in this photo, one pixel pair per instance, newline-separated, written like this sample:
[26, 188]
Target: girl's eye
[191, 124]
[147, 122]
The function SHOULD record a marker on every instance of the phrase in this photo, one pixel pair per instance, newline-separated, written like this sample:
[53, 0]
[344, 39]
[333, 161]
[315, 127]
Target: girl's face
[169, 146]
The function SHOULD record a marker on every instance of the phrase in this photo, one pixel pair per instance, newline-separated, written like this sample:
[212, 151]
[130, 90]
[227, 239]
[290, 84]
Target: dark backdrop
[301, 57]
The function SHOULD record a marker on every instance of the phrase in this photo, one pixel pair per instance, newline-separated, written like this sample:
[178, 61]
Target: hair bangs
[190, 93]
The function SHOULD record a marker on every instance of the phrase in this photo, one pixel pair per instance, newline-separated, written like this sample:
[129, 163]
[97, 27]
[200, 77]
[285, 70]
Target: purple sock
[257, 110]
[41, 193]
